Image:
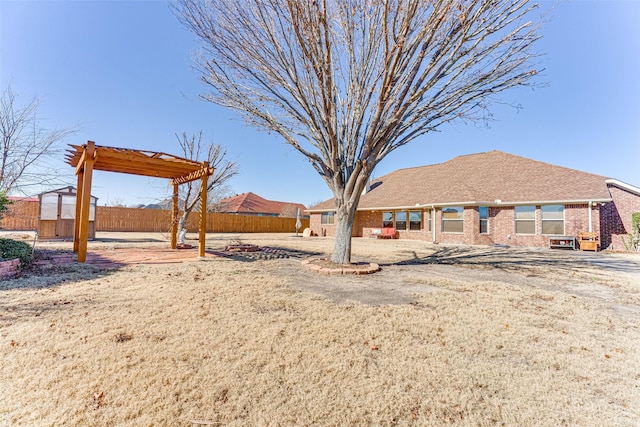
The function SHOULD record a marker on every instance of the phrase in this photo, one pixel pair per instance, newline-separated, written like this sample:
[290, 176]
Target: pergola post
[174, 217]
[76, 222]
[83, 196]
[203, 211]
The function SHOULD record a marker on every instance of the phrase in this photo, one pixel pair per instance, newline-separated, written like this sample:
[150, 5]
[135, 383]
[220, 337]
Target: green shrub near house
[632, 242]
[12, 249]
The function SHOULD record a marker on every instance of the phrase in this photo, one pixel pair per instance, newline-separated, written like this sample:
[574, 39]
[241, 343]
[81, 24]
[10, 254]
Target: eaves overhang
[631, 188]
[496, 202]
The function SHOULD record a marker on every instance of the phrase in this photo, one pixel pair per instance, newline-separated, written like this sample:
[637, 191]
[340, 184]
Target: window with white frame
[525, 219]
[401, 220]
[326, 218]
[427, 215]
[552, 219]
[387, 219]
[484, 219]
[452, 219]
[415, 220]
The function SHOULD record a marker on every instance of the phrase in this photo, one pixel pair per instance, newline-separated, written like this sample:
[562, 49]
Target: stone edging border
[9, 268]
[308, 263]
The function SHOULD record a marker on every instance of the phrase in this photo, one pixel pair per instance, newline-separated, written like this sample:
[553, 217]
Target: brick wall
[22, 215]
[615, 217]
[321, 229]
[501, 223]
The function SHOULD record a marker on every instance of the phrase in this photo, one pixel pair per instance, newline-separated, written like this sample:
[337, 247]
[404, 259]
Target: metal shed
[58, 212]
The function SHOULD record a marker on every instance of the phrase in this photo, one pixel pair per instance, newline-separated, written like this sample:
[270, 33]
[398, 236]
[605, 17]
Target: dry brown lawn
[442, 335]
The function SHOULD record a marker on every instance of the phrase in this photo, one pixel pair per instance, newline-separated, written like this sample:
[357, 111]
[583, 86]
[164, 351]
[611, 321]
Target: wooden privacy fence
[24, 216]
[110, 218]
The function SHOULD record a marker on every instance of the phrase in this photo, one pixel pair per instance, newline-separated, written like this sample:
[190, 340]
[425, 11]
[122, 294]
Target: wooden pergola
[89, 157]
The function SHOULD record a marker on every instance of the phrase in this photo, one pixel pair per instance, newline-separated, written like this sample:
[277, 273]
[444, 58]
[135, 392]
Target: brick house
[491, 198]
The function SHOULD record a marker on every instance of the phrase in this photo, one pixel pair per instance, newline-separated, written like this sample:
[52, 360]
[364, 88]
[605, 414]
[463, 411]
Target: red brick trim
[9, 268]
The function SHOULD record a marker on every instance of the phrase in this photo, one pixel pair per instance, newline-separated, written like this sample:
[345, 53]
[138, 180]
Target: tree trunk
[182, 224]
[344, 228]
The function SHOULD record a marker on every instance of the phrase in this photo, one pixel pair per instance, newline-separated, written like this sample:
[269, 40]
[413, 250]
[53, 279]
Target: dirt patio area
[441, 335]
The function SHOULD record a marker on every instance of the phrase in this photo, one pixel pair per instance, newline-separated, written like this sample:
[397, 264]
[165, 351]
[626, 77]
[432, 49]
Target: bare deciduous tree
[345, 82]
[189, 194]
[27, 147]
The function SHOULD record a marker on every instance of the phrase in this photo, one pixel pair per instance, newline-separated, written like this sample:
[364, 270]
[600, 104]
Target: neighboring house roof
[251, 203]
[490, 178]
[22, 199]
[165, 204]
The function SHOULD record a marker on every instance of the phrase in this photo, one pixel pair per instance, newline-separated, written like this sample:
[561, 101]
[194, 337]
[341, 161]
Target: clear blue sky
[121, 70]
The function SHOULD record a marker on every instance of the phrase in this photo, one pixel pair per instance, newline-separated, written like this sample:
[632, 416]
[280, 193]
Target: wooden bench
[588, 241]
[562, 242]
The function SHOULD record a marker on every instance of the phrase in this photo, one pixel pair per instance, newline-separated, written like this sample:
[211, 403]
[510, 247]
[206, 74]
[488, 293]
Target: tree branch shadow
[510, 259]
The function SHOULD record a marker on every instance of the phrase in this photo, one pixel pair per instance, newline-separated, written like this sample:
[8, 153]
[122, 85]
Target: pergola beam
[205, 171]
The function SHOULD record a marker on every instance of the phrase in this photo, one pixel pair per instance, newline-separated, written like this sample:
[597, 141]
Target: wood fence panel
[114, 218]
[22, 215]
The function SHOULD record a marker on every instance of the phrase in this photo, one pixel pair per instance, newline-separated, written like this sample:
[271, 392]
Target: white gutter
[623, 185]
[496, 202]
[499, 202]
[554, 202]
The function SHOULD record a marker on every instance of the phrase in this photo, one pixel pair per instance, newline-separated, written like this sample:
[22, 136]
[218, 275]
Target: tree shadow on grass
[511, 259]
[52, 267]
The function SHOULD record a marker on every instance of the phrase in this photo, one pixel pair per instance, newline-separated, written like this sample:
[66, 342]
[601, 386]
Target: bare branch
[189, 194]
[345, 82]
[27, 147]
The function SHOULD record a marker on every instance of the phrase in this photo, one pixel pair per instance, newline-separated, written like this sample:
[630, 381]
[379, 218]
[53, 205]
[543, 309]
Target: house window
[327, 218]
[452, 219]
[525, 219]
[415, 220]
[401, 220]
[552, 219]
[387, 219]
[428, 215]
[484, 219]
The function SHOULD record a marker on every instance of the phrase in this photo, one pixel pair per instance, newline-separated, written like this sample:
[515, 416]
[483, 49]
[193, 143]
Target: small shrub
[635, 223]
[12, 249]
[632, 241]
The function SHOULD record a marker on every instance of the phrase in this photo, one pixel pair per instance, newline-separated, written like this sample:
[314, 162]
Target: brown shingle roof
[251, 203]
[481, 178]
